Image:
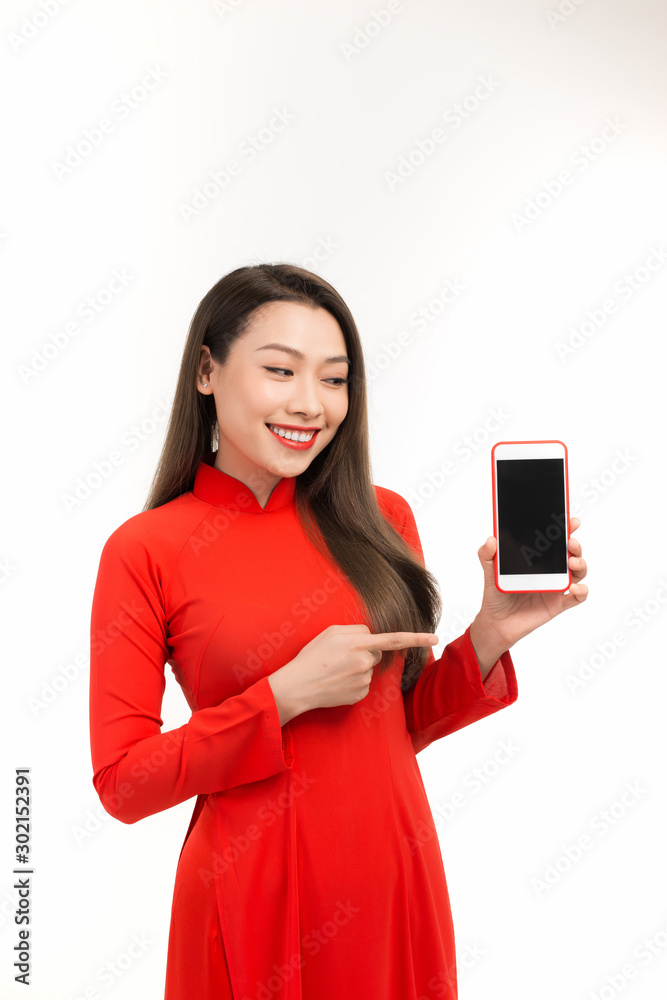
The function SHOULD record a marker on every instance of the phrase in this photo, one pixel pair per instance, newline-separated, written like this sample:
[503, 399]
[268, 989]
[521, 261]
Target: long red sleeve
[450, 693]
[139, 770]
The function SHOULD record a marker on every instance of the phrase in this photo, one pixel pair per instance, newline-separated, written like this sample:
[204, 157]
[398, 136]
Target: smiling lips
[295, 441]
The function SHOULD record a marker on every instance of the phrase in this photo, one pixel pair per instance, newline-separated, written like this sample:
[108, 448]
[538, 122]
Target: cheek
[266, 396]
[339, 410]
[250, 402]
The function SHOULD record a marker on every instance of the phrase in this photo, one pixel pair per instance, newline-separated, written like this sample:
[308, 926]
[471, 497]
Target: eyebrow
[301, 357]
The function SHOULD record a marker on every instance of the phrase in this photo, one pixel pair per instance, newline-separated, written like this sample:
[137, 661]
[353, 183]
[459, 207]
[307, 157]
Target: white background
[485, 211]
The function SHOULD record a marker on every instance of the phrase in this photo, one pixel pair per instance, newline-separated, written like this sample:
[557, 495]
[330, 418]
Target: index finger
[398, 640]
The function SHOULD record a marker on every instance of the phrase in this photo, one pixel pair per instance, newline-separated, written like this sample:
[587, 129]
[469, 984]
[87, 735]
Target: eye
[339, 381]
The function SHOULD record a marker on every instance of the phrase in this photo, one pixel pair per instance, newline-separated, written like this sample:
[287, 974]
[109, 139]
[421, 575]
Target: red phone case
[495, 515]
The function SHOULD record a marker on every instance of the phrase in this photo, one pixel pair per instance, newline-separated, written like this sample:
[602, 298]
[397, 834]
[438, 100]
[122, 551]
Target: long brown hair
[335, 497]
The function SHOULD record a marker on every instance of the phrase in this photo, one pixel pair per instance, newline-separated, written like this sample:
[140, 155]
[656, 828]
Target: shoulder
[395, 508]
[400, 515]
[156, 535]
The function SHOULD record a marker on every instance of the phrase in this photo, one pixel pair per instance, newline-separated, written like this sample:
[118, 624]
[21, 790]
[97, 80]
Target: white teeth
[292, 435]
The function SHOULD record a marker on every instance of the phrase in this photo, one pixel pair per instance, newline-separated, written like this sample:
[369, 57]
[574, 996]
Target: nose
[305, 398]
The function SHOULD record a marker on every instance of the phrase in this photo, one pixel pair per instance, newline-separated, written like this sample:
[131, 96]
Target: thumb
[485, 554]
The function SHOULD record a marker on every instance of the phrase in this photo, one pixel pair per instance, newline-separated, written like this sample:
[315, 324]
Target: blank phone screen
[532, 535]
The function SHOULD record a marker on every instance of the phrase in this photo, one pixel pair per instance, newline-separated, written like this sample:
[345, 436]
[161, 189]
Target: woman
[290, 597]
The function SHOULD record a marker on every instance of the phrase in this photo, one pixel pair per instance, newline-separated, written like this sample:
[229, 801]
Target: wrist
[488, 646]
[287, 701]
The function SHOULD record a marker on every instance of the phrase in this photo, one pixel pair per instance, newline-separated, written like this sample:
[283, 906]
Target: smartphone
[531, 516]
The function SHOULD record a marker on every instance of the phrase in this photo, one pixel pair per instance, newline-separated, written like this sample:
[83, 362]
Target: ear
[204, 370]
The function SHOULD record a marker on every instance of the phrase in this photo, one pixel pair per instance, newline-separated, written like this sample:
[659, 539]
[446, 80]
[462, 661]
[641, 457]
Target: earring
[203, 383]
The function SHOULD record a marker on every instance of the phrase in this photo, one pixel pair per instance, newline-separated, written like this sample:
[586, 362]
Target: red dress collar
[219, 488]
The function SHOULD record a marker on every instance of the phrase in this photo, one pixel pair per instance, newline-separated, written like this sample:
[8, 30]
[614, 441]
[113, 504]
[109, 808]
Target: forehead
[294, 324]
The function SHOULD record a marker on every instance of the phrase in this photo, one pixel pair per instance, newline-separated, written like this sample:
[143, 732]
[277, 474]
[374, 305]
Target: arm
[452, 692]
[137, 769]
